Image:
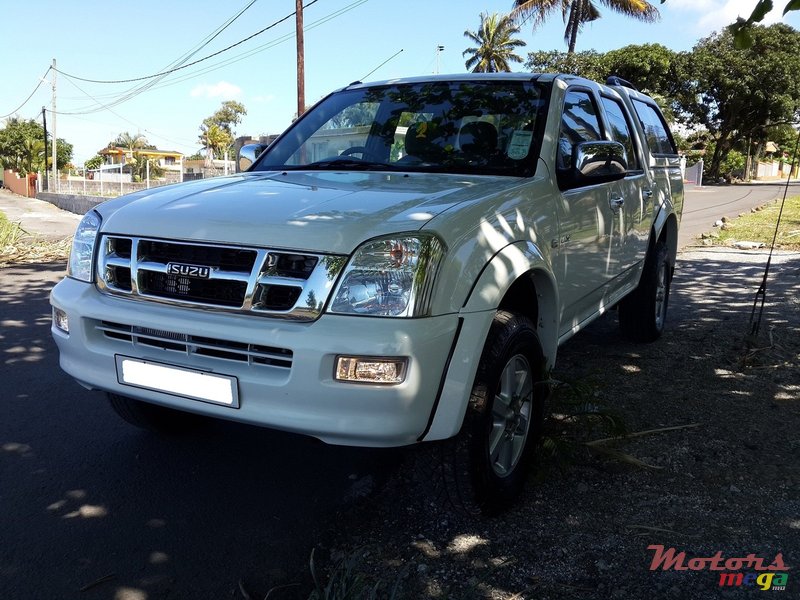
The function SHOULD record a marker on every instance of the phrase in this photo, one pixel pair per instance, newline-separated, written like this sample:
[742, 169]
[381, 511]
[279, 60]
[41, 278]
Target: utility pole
[55, 140]
[301, 75]
[46, 186]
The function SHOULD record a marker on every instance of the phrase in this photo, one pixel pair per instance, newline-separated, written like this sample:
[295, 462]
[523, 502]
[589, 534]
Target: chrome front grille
[252, 354]
[272, 282]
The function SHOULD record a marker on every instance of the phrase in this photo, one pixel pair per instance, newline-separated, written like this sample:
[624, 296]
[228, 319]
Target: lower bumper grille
[253, 354]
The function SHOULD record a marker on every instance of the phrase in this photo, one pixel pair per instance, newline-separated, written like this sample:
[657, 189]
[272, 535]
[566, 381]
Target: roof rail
[614, 80]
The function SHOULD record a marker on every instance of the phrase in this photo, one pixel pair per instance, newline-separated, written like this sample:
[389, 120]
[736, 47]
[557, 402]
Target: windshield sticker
[520, 144]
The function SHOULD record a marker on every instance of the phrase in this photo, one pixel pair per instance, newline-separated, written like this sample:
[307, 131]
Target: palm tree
[131, 142]
[577, 12]
[216, 140]
[495, 44]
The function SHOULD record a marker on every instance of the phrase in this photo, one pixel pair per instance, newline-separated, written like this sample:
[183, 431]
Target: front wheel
[484, 468]
[643, 312]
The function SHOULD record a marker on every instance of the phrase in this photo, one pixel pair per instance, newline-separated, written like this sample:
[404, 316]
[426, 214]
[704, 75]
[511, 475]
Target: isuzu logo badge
[189, 270]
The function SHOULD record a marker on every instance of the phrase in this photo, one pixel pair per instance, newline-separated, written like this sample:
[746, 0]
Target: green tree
[130, 142]
[94, 162]
[742, 29]
[139, 167]
[588, 63]
[495, 45]
[22, 147]
[652, 68]
[215, 140]
[739, 95]
[217, 131]
[578, 12]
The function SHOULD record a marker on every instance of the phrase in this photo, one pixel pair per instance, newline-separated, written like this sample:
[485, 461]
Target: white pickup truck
[398, 267]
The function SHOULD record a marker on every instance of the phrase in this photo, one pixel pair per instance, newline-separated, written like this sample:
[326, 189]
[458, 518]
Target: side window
[579, 123]
[620, 129]
[659, 139]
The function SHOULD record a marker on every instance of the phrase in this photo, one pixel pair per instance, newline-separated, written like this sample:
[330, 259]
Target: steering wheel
[358, 150]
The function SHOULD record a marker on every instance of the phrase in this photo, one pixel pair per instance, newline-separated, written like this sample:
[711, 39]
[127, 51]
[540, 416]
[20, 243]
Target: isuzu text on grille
[188, 270]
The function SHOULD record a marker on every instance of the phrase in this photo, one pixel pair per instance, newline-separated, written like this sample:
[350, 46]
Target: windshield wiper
[350, 163]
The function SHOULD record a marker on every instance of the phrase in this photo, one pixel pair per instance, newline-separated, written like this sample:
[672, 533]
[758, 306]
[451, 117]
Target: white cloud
[221, 89]
[719, 14]
[716, 14]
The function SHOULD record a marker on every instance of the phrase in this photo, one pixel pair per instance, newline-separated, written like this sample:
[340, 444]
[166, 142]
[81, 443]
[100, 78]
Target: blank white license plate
[196, 385]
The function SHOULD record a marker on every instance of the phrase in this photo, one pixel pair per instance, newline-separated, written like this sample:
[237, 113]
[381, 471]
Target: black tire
[484, 468]
[152, 417]
[643, 312]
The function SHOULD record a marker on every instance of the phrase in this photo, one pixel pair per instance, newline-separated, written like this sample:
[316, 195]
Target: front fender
[515, 262]
[511, 264]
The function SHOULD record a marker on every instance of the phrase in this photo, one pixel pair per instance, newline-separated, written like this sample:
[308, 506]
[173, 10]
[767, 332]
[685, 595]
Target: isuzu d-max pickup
[398, 267]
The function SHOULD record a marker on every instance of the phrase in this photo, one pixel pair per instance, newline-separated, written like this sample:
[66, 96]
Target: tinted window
[579, 123]
[656, 131]
[620, 129]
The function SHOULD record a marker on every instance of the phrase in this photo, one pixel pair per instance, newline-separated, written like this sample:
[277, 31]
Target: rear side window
[659, 139]
[579, 123]
[620, 129]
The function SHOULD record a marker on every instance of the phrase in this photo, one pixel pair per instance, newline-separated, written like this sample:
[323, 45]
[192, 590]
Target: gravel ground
[726, 480]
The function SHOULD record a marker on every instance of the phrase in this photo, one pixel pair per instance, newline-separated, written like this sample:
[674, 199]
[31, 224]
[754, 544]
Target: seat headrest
[478, 137]
[421, 141]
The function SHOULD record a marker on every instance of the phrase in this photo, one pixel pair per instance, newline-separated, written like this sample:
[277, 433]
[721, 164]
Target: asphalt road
[92, 508]
[84, 496]
[703, 206]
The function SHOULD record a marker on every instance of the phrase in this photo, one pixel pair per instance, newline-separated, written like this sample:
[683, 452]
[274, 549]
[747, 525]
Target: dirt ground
[727, 479]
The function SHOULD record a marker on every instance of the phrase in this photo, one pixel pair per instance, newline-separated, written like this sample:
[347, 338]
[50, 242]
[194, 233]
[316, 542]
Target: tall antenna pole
[55, 142]
[301, 75]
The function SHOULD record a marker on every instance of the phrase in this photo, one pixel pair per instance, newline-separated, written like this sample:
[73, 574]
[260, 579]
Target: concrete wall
[22, 186]
[74, 203]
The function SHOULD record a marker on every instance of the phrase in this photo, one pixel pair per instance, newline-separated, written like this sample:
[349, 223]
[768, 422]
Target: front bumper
[302, 398]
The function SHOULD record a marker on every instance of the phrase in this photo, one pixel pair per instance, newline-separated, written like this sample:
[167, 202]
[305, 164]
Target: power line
[169, 71]
[38, 85]
[98, 105]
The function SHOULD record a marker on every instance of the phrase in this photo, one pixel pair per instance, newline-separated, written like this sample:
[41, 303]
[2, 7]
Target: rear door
[663, 159]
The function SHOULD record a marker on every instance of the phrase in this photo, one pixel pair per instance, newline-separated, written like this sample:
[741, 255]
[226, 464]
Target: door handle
[647, 194]
[616, 202]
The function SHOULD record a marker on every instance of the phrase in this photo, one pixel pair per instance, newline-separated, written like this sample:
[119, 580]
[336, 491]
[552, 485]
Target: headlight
[390, 277]
[80, 257]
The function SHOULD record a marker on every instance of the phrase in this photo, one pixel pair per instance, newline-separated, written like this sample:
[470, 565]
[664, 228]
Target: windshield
[483, 127]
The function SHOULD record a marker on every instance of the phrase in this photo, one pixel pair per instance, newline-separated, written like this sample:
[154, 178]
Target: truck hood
[322, 211]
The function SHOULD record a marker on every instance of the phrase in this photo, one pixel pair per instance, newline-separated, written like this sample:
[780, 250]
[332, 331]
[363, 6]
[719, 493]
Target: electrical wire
[98, 105]
[169, 71]
[38, 85]
[211, 37]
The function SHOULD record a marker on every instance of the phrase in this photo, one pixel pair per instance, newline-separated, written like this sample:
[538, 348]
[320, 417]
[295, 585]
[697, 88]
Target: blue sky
[345, 40]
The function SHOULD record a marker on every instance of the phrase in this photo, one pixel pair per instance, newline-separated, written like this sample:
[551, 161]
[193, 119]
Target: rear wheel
[153, 417]
[643, 312]
[484, 468]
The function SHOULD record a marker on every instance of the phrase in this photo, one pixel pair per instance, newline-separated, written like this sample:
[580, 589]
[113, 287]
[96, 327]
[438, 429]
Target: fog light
[60, 320]
[369, 369]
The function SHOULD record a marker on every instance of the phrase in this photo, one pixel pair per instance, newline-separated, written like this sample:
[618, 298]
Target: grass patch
[17, 246]
[759, 226]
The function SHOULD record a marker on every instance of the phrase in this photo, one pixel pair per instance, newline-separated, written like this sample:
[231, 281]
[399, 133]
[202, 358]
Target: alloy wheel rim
[661, 295]
[511, 415]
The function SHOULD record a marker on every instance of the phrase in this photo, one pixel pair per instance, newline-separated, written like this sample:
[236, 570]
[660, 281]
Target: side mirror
[596, 162]
[248, 155]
